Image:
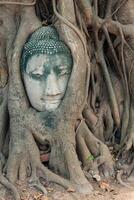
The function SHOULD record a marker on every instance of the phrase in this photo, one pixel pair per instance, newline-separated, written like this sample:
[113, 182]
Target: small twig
[125, 118]
[112, 49]
[93, 92]
[86, 8]
[96, 7]
[113, 101]
[117, 9]
[45, 6]
[109, 9]
[81, 122]
[122, 57]
[129, 81]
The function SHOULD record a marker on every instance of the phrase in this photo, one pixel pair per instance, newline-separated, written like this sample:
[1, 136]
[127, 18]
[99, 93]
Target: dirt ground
[103, 191]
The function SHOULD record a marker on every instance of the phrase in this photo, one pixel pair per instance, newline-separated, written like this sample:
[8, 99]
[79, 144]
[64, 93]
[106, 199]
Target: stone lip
[50, 100]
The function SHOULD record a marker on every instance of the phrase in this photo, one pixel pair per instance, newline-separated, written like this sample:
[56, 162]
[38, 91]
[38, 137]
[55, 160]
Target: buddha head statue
[46, 66]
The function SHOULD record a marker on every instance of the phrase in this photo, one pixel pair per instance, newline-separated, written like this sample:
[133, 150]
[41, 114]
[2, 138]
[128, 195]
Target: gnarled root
[3, 115]
[24, 162]
[4, 181]
[93, 153]
[126, 161]
[63, 159]
[101, 124]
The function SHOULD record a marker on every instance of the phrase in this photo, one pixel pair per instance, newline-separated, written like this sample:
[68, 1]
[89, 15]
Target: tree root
[93, 153]
[50, 176]
[27, 155]
[100, 124]
[33, 157]
[119, 179]
[3, 115]
[63, 160]
[127, 158]
[4, 181]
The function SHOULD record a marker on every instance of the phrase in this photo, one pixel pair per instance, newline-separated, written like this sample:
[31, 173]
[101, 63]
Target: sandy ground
[114, 191]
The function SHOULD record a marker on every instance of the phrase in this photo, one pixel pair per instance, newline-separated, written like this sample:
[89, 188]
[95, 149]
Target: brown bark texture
[93, 129]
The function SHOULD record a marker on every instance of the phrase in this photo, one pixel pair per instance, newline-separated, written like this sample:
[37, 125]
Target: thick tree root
[63, 159]
[28, 156]
[93, 153]
[127, 155]
[10, 187]
[4, 181]
[3, 115]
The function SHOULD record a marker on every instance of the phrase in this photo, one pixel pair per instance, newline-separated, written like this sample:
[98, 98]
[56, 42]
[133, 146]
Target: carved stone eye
[37, 73]
[63, 70]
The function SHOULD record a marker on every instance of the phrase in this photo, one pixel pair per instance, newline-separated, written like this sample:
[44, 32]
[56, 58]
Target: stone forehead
[47, 62]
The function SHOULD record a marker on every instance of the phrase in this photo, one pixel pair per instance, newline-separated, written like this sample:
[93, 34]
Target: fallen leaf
[50, 189]
[44, 198]
[70, 189]
[104, 185]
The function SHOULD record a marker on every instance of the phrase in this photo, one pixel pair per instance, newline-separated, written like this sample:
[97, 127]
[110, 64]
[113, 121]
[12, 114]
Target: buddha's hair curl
[44, 40]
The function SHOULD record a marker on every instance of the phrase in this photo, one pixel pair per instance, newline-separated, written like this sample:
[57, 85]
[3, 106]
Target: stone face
[46, 79]
[46, 65]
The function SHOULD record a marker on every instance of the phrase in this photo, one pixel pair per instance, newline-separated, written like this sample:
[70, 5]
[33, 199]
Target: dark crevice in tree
[44, 11]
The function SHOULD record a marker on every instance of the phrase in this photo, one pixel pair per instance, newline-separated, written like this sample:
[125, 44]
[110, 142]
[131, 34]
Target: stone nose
[52, 87]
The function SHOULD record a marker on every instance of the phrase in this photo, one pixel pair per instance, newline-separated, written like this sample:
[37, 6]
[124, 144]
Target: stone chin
[46, 106]
[52, 106]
